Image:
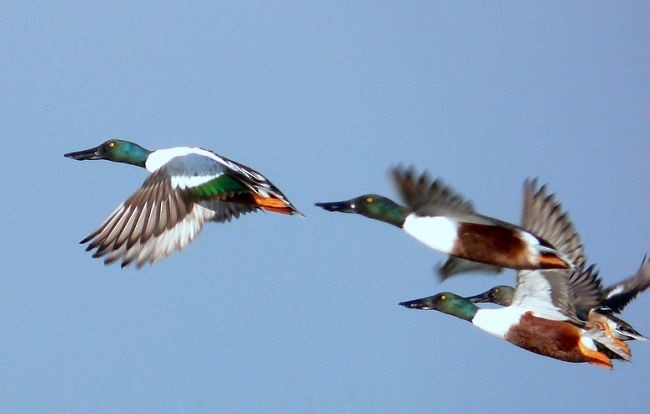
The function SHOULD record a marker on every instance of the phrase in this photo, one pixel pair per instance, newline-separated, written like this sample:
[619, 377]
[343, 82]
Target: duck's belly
[555, 339]
[496, 245]
[484, 243]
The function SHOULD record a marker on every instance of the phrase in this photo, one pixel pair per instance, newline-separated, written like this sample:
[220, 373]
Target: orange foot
[595, 357]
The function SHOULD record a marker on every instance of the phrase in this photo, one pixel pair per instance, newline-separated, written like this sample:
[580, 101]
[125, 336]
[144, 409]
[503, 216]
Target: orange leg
[595, 357]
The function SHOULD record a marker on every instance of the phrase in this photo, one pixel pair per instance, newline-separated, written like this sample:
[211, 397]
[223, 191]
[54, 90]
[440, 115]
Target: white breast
[439, 233]
[497, 321]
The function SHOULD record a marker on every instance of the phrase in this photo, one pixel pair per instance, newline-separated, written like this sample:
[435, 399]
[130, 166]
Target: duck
[536, 199]
[593, 303]
[614, 299]
[542, 316]
[187, 187]
[444, 221]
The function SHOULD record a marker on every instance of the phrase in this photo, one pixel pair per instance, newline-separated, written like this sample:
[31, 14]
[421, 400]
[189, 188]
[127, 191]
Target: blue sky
[279, 314]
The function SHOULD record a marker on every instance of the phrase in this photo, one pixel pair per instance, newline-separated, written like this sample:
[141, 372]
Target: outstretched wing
[543, 216]
[545, 292]
[168, 211]
[427, 197]
[456, 265]
[586, 290]
[619, 295]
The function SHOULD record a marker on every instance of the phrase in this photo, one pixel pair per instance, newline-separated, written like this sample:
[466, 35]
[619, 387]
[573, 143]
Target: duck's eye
[496, 290]
[111, 144]
[443, 297]
[370, 199]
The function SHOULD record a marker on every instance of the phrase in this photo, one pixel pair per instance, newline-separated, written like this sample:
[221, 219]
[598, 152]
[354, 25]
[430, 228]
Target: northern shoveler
[613, 300]
[534, 323]
[441, 219]
[543, 205]
[187, 187]
[592, 303]
[542, 316]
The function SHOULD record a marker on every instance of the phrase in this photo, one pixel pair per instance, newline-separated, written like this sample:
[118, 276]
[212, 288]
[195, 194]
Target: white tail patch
[439, 233]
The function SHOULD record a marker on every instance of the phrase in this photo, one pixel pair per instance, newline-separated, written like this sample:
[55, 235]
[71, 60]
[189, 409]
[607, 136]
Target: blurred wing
[456, 265]
[618, 296]
[545, 292]
[429, 198]
[543, 216]
[586, 291]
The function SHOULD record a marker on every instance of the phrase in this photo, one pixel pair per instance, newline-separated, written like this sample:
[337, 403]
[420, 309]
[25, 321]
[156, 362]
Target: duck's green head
[445, 302]
[501, 295]
[114, 150]
[370, 205]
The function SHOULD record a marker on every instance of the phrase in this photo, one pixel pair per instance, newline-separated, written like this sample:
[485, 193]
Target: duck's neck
[389, 212]
[134, 154]
[462, 309]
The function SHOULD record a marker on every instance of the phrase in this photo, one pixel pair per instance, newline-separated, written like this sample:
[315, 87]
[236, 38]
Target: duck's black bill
[422, 304]
[340, 206]
[89, 154]
[480, 298]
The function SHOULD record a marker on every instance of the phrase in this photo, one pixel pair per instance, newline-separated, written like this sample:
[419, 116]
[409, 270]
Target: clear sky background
[278, 314]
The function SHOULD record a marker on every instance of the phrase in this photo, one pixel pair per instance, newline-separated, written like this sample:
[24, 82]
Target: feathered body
[188, 186]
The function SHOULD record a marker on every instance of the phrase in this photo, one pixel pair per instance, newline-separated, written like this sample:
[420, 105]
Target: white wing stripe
[183, 182]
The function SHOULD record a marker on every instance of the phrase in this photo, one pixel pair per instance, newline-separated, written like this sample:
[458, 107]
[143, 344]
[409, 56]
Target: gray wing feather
[425, 196]
[191, 165]
[543, 216]
[586, 290]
